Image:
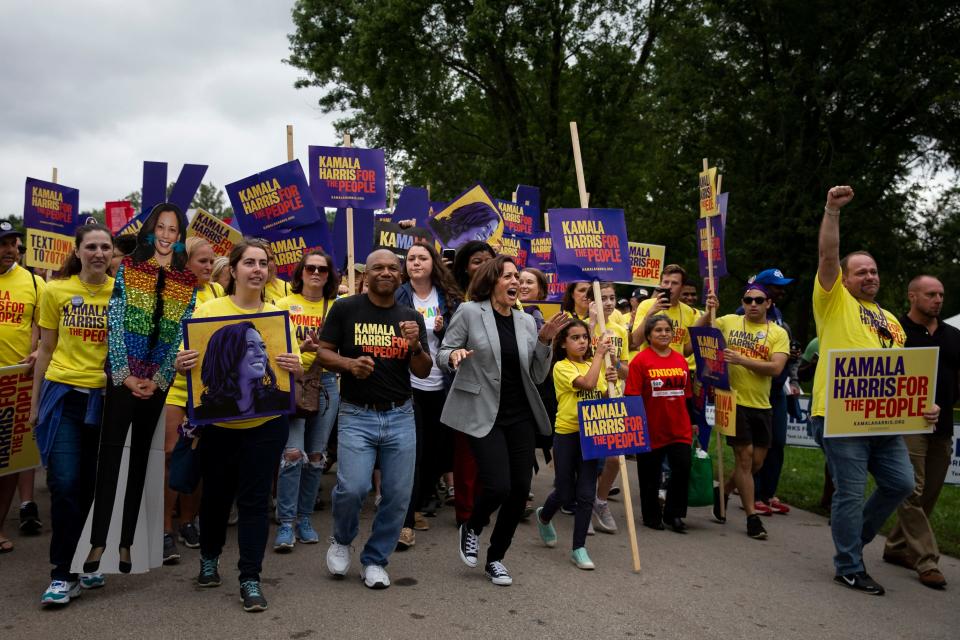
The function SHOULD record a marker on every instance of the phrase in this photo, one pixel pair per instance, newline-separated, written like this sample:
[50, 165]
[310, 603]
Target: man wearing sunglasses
[756, 352]
[848, 317]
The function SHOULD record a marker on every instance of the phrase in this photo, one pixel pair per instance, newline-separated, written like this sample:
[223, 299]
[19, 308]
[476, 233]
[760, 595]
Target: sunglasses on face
[315, 268]
[751, 300]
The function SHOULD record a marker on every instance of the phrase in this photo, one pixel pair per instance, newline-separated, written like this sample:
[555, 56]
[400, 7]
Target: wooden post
[351, 276]
[624, 472]
[710, 284]
[54, 178]
[289, 143]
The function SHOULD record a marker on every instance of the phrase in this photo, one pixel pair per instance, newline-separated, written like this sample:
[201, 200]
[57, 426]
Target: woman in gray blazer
[499, 357]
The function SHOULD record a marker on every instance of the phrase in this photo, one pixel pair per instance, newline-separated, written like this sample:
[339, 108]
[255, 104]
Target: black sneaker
[252, 597]
[170, 553]
[469, 546]
[716, 505]
[30, 518]
[209, 576]
[498, 574]
[755, 528]
[860, 581]
[189, 536]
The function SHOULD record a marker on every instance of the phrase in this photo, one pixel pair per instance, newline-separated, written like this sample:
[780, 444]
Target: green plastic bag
[700, 491]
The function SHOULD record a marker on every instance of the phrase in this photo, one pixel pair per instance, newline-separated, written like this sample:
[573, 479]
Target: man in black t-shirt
[911, 543]
[375, 344]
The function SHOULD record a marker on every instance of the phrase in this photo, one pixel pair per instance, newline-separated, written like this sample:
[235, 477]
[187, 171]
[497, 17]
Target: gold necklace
[92, 292]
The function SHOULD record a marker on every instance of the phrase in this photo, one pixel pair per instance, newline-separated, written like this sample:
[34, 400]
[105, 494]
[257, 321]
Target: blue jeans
[853, 522]
[71, 477]
[299, 480]
[365, 435]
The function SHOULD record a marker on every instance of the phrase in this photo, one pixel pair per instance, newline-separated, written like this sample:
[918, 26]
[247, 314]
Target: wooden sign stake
[613, 393]
[351, 276]
[289, 143]
[54, 178]
[710, 284]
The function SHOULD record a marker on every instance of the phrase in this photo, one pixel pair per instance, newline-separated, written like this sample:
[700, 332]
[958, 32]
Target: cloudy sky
[95, 87]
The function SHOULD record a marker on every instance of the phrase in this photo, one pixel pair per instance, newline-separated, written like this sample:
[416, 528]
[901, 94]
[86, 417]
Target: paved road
[713, 583]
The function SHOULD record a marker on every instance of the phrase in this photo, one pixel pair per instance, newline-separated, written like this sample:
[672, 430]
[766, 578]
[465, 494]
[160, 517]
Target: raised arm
[829, 243]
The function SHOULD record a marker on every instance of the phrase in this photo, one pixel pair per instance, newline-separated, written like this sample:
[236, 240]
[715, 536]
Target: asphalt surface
[714, 582]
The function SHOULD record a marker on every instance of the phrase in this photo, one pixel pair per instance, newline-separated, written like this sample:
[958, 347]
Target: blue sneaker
[92, 580]
[548, 533]
[59, 593]
[284, 540]
[305, 532]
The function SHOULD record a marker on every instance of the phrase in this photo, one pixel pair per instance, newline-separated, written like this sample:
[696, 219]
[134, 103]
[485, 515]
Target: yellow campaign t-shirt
[681, 317]
[78, 313]
[305, 316]
[224, 306]
[177, 395]
[757, 341]
[275, 290]
[619, 339]
[844, 322]
[564, 373]
[20, 294]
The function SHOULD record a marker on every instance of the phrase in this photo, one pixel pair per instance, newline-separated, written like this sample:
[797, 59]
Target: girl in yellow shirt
[576, 377]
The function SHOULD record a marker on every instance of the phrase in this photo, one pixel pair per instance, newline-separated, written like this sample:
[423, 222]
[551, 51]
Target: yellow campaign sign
[46, 250]
[708, 193]
[879, 391]
[725, 416]
[221, 236]
[18, 445]
[472, 216]
[646, 263]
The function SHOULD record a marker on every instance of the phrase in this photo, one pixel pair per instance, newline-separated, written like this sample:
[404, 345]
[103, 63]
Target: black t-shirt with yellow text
[357, 327]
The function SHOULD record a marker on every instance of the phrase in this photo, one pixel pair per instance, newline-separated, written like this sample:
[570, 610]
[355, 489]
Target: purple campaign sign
[277, 198]
[289, 245]
[413, 204]
[529, 196]
[518, 219]
[348, 177]
[50, 207]
[590, 244]
[612, 427]
[362, 236]
[719, 250]
[154, 188]
[708, 346]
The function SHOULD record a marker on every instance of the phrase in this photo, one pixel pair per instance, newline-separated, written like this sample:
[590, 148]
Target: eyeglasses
[757, 300]
[315, 268]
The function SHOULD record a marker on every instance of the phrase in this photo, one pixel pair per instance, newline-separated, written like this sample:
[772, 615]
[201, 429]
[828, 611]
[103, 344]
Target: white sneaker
[59, 592]
[338, 558]
[374, 576]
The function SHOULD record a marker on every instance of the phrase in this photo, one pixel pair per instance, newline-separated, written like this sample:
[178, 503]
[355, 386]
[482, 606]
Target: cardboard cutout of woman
[152, 293]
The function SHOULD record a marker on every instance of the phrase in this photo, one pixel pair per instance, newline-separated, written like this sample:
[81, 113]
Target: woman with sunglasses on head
[67, 401]
[431, 290]
[153, 292]
[757, 350]
[238, 458]
[315, 282]
[200, 261]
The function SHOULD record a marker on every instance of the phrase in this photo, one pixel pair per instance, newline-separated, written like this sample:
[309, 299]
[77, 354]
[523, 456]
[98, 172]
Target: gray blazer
[474, 398]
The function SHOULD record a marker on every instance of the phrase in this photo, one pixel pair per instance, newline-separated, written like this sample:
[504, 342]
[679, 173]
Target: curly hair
[219, 373]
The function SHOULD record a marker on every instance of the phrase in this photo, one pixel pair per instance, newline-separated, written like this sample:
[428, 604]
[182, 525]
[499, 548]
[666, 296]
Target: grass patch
[801, 485]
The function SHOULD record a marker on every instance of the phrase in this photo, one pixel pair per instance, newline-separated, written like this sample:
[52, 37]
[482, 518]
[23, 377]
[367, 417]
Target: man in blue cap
[766, 479]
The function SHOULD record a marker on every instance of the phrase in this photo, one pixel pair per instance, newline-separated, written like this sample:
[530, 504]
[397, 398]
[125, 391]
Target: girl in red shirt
[662, 377]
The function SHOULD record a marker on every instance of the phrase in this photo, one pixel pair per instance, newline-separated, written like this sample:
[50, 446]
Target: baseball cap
[7, 229]
[771, 276]
[640, 293]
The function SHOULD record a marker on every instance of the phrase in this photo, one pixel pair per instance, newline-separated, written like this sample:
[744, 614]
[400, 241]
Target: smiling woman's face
[253, 365]
[508, 286]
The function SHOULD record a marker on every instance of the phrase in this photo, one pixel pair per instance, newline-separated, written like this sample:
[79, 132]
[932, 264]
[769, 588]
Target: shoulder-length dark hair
[485, 279]
[462, 259]
[219, 373]
[568, 303]
[560, 352]
[333, 276]
[146, 237]
[542, 286]
[235, 256]
[440, 275]
[72, 265]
